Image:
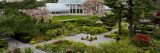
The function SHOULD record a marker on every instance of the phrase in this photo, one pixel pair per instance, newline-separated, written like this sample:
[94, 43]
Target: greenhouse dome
[71, 1]
[57, 7]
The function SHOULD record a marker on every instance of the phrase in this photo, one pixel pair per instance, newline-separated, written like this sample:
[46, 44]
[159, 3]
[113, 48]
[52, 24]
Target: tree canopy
[13, 20]
[132, 10]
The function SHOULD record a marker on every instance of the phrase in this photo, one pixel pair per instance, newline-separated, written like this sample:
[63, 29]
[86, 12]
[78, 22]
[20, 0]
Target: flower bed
[63, 46]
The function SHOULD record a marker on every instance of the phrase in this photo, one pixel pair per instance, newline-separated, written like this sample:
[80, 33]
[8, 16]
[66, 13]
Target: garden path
[100, 38]
[12, 43]
[77, 38]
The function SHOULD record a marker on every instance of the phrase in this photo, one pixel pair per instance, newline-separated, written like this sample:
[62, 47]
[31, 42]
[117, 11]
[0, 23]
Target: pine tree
[14, 20]
[132, 10]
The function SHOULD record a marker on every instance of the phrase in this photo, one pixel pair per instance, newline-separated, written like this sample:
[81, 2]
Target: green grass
[62, 18]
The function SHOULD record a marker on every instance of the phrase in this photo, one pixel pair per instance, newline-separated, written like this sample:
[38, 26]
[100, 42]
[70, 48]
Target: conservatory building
[67, 7]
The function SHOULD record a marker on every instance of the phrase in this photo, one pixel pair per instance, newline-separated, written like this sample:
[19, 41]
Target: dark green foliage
[110, 20]
[14, 21]
[86, 22]
[78, 47]
[155, 46]
[94, 49]
[28, 50]
[3, 44]
[122, 47]
[25, 4]
[63, 46]
[132, 10]
[157, 33]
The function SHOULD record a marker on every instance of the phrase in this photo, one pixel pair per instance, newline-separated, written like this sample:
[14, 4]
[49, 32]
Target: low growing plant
[141, 40]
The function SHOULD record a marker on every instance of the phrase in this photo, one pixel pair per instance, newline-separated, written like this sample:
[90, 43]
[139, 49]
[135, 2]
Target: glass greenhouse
[67, 7]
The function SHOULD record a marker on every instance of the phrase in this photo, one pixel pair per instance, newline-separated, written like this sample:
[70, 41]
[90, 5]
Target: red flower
[141, 40]
[142, 37]
[158, 14]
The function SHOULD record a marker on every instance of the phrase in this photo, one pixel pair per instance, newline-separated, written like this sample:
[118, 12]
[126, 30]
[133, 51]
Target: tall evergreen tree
[15, 21]
[133, 10]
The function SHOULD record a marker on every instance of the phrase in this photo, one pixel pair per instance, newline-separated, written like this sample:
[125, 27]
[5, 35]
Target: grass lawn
[62, 18]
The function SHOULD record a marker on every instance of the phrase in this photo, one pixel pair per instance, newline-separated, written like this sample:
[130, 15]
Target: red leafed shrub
[158, 14]
[141, 40]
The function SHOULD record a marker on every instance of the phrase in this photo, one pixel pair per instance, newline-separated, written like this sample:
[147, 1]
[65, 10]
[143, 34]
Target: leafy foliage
[14, 21]
[141, 40]
[122, 47]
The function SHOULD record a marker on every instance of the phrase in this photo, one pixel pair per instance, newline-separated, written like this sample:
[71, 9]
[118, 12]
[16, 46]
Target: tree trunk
[119, 25]
[130, 18]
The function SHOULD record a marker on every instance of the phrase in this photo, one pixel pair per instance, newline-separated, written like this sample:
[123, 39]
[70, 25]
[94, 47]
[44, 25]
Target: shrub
[57, 24]
[52, 33]
[67, 32]
[141, 40]
[28, 50]
[86, 28]
[59, 31]
[121, 47]
[94, 49]
[69, 25]
[76, 30]
[87, 22]
[78, 47]
[39, 46]
[32, 42]
[97, 30]
[3, 44]
[124, 30]
[157, 33]
[113, 35]
[155, 47]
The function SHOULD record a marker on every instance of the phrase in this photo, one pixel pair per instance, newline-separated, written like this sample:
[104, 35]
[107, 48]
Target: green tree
[132, 10]
[14, 20]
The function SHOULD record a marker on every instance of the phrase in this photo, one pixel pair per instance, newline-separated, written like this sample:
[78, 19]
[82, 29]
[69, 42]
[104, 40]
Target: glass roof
[56, 7]
[71, 1]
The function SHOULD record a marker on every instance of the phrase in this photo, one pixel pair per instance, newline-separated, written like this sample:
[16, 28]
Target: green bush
[78, 47]
[28, 50]
[60, 46]
[76, 30]
[57, 24]
[155, 47]
[97, 30]
[69, 25]
[32, 42]
[87, 22]
[122, 47]
[51, 33]
[86, 28]
[39, 46]
[3, 44]
[124, 30]
[113, 35]
[157, 33]
[94, 49]
[67, 32]
[59, 31]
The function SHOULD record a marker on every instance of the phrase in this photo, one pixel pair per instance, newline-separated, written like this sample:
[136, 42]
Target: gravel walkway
[77, 38]
[100, 38]
[12, 43]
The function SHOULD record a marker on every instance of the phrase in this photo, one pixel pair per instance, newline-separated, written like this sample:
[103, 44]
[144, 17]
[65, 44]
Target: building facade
[70, 7]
